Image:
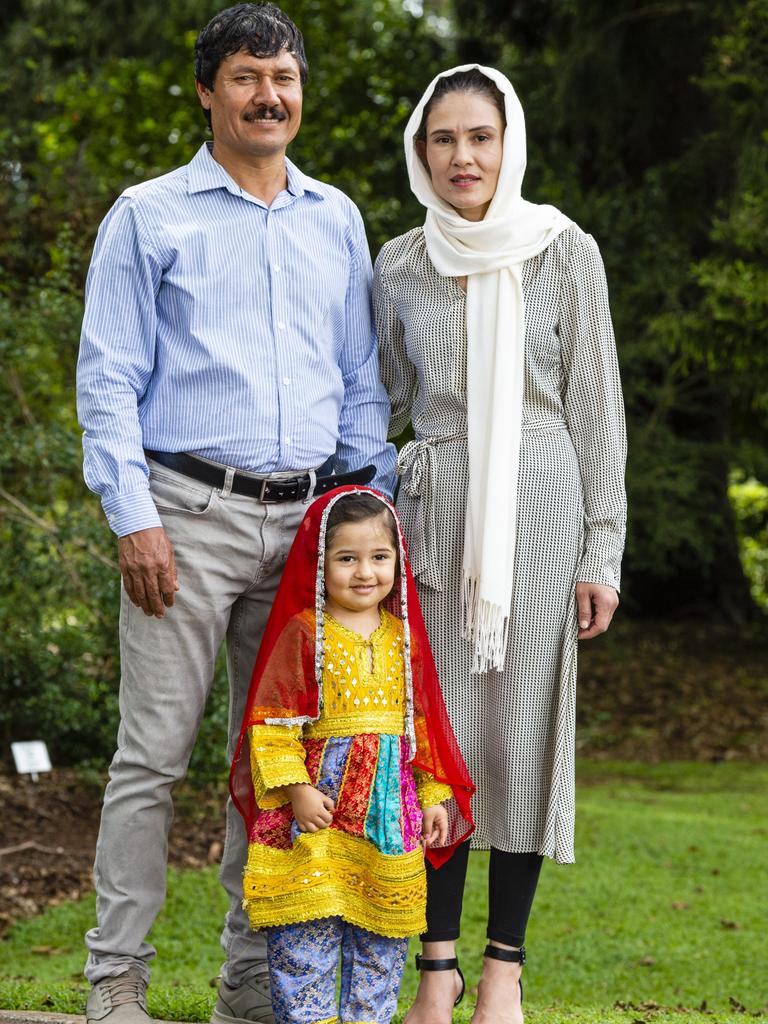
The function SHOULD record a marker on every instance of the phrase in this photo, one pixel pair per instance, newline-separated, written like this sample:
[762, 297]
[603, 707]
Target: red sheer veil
[285, 686]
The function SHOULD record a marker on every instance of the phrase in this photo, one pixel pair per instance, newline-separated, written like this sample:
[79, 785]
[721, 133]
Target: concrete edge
[37, 1017]
[46, 1017]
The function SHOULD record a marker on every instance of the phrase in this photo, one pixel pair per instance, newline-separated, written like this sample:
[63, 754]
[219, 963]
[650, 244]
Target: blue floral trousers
[303, 965]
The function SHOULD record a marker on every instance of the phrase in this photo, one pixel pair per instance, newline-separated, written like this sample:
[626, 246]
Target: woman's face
[463, 151]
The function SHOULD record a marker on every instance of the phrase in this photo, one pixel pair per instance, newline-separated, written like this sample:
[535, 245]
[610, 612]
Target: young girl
[347, 770]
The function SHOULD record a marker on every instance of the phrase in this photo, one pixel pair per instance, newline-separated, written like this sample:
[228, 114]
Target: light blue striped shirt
[239, 332]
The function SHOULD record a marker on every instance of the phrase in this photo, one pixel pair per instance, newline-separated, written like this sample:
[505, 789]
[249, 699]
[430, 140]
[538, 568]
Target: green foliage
[750, 502]
[58, 597]
[106, 111]
[733, 275]
[659, 884]
[647, 125]
[94, 99]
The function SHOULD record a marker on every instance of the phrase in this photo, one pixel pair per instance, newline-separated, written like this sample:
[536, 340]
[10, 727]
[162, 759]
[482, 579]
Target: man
[227, 369]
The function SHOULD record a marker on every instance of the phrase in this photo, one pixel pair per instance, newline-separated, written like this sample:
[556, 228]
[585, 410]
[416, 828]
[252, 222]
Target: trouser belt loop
[229, 477]
[312, 473]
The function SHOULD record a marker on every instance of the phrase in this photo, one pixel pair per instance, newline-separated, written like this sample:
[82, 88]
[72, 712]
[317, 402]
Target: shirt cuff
[431, 792]
[270, 792]
[386, 478]
[128, 513]
[271, 799]
[601, 561]
[277, 760]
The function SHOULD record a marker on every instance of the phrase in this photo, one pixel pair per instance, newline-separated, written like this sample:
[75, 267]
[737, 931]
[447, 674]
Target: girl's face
[463, 151]
[360, 566]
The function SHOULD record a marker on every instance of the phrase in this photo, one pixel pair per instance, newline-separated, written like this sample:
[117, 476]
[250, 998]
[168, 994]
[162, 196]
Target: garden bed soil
[48, 835]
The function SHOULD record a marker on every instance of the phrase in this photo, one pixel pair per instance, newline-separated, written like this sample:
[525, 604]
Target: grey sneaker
[249, 1003]
[120, 1000]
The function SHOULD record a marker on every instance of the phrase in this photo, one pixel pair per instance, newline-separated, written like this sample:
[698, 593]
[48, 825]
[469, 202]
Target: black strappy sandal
[511, 956]
[450, 963]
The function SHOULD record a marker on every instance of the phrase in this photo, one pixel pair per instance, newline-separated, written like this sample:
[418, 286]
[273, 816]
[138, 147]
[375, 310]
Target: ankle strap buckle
[513, 956]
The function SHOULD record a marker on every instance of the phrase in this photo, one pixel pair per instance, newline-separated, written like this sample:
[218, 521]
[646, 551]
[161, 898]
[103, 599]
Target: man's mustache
[265, 113]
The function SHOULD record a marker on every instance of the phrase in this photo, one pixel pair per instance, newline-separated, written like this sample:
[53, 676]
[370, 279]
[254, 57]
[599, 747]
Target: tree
[644, 125]
[94, 98]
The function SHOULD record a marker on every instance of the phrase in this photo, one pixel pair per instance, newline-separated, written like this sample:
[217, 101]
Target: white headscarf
[490, 252]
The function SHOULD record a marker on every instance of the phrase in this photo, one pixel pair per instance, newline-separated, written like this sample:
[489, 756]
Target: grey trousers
[230, 550]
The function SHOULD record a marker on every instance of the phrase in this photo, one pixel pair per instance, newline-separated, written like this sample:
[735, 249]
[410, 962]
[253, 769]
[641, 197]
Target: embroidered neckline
[356, 637]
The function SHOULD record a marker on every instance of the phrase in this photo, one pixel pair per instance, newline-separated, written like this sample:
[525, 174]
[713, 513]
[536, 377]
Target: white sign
[31, 758]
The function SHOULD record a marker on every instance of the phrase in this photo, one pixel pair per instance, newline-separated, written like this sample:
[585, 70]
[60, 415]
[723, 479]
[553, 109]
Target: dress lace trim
[330, 873]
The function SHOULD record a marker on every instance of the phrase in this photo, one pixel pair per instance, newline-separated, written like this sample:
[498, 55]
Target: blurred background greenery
[646, 125]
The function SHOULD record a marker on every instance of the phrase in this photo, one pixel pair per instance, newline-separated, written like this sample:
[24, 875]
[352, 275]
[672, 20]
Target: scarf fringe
[486, 626]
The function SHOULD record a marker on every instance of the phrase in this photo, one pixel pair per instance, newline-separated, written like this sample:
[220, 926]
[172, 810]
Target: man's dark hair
[262, 30]
[463, 81]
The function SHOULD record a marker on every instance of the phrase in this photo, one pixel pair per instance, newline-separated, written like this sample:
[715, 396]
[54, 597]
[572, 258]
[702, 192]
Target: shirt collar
[205, 174]
[299, 183]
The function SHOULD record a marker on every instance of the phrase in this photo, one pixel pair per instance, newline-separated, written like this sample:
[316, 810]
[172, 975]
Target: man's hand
[149, 570]
[312, 809]
[595, 605]
[434, 829]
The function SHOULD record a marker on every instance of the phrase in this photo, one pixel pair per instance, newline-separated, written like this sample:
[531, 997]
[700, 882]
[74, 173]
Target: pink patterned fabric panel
[273, 828]
[409, 801]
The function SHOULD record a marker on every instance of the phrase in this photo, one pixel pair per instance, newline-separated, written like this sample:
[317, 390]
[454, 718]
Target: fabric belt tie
[267, 491]
[416, 464]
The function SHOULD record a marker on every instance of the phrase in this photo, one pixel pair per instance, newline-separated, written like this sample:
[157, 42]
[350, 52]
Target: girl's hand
[595, 604]
[311, 808]
[434, 829]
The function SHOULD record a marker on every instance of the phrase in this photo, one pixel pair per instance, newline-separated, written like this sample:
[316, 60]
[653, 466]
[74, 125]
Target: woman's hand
[312, 809]
[434, 828]
[595, 605]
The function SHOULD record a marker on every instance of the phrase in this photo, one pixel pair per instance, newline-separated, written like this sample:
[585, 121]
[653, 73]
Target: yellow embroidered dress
[367, 866]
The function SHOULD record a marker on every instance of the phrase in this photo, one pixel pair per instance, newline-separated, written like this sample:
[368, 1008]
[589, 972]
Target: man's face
[255, 104]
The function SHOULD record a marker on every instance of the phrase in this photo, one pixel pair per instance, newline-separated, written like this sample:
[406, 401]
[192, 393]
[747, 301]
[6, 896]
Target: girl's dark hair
[356, 508]
[263, 30]
[463, 81]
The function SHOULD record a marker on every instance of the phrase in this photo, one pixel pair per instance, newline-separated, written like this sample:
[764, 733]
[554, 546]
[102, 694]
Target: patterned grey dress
[516, 728]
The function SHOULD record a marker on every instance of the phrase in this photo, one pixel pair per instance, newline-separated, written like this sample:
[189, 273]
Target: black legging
[512, 879]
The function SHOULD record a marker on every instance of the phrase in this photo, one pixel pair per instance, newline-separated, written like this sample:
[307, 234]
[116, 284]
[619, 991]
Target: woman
[496, 341]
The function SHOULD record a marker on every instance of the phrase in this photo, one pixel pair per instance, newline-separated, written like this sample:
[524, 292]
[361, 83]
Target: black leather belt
[269, 491]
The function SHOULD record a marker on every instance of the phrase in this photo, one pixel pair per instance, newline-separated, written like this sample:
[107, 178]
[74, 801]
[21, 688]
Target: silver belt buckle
[296, 481]
[262, 493]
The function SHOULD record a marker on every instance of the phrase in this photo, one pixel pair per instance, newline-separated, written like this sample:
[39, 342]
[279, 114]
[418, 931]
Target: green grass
[664, 910]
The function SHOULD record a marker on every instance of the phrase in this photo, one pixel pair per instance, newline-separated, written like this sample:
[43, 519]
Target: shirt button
[281, 326]
[276, 266]
[287, 440]
[286, 380]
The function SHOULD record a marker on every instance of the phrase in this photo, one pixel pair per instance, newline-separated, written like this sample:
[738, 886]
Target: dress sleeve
[277, 760]
[429, 790]
[594, 411]
[397, 371]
